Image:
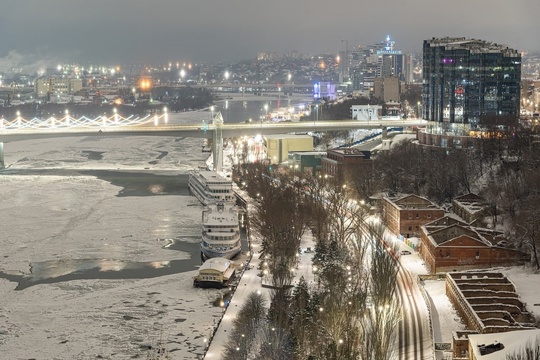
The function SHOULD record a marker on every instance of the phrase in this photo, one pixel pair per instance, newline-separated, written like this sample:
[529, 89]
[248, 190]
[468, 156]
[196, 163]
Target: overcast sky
[159, 31]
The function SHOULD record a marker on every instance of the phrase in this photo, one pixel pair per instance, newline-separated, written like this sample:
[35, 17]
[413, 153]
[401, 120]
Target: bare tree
[245, 328]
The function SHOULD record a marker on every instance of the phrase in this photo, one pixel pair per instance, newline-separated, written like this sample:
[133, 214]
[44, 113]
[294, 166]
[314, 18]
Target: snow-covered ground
[251, 282]
[54, 217]
[52, 213]
[445, 318]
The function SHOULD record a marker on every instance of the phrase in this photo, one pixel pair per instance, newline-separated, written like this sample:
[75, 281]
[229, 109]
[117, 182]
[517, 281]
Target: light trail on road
[414, 338]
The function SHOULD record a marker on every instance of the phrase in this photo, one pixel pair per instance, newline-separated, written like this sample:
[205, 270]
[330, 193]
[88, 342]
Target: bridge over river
[158, 125]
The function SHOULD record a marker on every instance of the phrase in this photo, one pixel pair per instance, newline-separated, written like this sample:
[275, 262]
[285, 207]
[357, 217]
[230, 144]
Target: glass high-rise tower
[469, 81]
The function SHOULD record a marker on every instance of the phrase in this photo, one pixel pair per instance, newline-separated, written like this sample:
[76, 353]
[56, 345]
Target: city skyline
[134, 31]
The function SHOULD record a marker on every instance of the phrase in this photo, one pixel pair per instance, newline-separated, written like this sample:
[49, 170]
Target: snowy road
[414, 335]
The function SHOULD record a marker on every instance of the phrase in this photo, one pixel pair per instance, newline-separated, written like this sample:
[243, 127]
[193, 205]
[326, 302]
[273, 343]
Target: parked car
[405, 252]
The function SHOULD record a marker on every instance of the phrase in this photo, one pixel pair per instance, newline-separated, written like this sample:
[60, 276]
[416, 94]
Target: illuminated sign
[389, 52]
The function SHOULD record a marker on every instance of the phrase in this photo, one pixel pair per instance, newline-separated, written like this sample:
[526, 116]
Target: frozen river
[99, 242]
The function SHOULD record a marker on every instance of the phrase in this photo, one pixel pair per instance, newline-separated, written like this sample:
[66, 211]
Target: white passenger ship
[220, 231]
[210, 187]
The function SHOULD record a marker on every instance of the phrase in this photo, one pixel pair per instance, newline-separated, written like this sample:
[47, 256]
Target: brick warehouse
[405, 215]
[345, 164]
[448, 244]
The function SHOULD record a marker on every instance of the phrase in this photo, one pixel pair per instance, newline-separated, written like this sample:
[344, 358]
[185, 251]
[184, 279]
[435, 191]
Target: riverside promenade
[251, 282]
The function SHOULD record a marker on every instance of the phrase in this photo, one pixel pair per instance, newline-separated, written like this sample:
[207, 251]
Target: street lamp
[266, 113]
[212, 110]
[289, 78]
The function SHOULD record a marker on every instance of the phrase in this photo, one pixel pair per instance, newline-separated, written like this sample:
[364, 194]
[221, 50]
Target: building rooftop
[499, 345]
[308, 152]
[413, 202]
[219, 264]
[349, 151]
[445, 234]
[492, 300]
[472, 203]
[287, 136]
[473, 45]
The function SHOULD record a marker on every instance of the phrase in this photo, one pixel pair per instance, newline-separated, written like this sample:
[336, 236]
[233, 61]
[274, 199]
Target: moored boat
[220, 231]
[209, 187]
[215, 273]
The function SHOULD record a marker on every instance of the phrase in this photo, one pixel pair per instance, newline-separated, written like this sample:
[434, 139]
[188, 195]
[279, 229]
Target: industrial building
[57, 85]
[279, 146]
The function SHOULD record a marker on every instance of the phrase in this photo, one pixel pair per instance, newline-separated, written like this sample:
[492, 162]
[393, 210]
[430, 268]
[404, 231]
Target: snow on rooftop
[513, 342]
[82, 318]
[227, 216]
[220, 264]
[527, 283]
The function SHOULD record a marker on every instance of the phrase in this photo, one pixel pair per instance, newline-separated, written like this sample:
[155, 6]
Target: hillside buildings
[364, 64]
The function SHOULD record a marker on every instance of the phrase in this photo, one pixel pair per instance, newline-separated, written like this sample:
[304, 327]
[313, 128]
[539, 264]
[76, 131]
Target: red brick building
[345, 164]
[448, 244]
[405, 215]
[470, 207]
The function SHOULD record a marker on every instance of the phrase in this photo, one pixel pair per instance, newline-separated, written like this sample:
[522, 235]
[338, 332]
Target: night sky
[41, 32]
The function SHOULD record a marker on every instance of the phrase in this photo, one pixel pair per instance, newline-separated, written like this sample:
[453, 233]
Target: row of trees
[350, 311]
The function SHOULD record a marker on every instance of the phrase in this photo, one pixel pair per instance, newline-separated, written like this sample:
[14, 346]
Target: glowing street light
[67, 116]
[266, 114]
[166, 115]
[115, 116]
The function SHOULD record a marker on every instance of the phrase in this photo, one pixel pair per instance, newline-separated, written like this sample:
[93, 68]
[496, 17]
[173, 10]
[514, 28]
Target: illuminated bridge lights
[67, 122]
